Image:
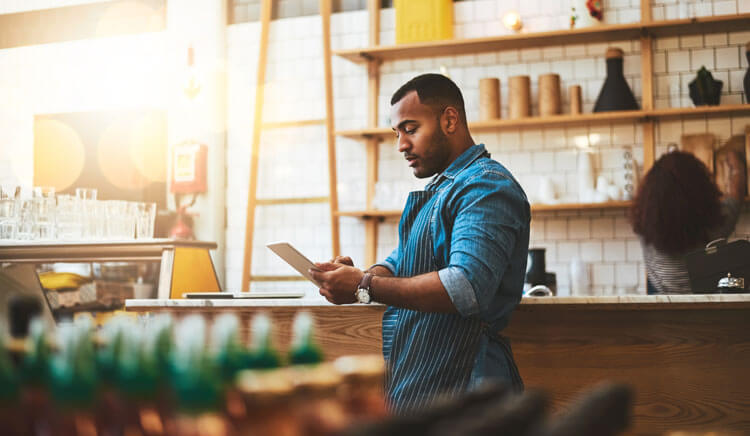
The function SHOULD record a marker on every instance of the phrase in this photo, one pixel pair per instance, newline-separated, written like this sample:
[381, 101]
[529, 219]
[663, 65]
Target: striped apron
[428, 355]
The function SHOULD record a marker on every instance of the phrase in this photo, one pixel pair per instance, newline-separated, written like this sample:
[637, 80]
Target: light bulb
[512, 20]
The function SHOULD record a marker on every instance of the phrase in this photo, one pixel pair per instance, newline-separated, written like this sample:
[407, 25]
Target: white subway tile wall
[294, 162]
[676, 61]
[602, 238]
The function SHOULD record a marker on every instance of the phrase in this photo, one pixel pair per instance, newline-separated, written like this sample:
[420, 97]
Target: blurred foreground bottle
[196, 383]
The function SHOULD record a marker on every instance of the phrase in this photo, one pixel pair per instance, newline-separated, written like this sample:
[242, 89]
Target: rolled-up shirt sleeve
[390, 262]
[489, 211]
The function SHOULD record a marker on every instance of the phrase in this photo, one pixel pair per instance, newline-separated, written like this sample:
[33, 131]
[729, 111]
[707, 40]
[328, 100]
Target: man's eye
[410, 131]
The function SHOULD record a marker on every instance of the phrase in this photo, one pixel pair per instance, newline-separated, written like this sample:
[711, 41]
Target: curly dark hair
[677, 204]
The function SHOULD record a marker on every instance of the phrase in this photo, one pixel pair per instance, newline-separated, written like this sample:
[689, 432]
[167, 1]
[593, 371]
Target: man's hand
[338, 281]
[346, 260]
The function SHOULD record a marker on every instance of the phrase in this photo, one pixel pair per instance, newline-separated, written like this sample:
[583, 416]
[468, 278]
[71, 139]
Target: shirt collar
[462, 161]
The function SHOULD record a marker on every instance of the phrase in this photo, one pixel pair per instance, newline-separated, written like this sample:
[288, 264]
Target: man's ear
[449, 120]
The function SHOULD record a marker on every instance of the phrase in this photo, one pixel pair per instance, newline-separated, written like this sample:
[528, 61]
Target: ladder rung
[288, 124]
[277, 279]
[300, 200]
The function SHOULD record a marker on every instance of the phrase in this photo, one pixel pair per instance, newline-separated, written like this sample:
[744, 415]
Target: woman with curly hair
[679, 209]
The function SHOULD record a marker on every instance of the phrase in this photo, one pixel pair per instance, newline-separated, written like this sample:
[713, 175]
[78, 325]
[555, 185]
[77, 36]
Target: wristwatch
[363, 289]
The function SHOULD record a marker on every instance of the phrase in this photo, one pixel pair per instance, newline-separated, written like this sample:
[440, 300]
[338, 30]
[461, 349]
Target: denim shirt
[480, 228]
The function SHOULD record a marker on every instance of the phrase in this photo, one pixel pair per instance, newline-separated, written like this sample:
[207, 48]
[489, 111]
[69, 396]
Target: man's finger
[346, 260]
[327, 266]
[325, 293]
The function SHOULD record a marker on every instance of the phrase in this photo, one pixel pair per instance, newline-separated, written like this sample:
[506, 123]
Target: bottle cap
[614, 52]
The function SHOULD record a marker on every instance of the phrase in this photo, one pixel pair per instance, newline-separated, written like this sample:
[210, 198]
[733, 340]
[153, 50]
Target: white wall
[129, 71]
[603, 238]
[98, 74]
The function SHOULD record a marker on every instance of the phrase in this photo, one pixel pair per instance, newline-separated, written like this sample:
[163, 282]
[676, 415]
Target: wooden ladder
[259, 126]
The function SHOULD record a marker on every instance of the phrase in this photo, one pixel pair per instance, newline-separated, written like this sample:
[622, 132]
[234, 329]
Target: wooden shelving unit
[557, 207]
[693, 26]
[572, 120]
[645, 31]
[607, 205]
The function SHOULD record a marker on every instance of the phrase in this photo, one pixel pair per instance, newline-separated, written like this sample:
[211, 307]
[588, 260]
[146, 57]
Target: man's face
[420, 137]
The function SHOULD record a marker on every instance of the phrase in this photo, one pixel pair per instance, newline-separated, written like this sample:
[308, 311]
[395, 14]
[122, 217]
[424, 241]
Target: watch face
[363, 296]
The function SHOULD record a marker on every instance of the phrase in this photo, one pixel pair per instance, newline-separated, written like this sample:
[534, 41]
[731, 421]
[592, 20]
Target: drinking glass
[145, 217]
[26, 220]
[87, 196]
[8, 219]
[69, 218]
[120, 219]
[44, 210]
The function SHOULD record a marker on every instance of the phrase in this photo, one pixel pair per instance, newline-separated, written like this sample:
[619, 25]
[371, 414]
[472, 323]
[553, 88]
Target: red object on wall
[189, 168]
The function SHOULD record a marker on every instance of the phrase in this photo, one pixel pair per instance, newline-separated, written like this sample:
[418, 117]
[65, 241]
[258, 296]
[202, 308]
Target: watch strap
[365, 282]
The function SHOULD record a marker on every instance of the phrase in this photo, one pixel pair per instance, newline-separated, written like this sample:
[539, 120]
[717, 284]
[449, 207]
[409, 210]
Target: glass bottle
[615, 94]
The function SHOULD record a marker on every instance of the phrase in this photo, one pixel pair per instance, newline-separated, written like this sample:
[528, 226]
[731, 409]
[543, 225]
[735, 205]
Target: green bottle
[9, 390]
[195, 379]
[33, 374]
[35, 363]
[230, 354]
[73, 377]
[304, 350]
[262, 353]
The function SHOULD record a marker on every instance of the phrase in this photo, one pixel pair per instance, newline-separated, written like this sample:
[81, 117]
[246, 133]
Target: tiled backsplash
[603, 239]
[294, 162]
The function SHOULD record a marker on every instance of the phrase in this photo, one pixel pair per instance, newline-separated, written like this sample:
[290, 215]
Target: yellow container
[423, 20]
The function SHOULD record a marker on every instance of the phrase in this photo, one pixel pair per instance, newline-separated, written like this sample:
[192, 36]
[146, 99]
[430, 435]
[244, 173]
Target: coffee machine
[538, 281]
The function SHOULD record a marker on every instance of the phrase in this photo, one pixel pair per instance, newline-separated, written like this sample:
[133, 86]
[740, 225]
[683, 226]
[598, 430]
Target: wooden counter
[687, 357]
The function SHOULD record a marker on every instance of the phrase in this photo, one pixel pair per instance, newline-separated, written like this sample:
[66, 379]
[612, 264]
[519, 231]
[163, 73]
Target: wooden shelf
[455, 47]
[680, 112]
[722, 23]
[581, 206]
[698, 25]
[503, 124]
[383, 214]
[367, 214]
[571, 120]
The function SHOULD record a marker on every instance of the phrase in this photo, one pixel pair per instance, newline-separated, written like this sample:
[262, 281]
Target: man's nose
[403, 144]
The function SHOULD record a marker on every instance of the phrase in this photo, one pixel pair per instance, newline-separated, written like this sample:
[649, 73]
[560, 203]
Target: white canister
[580, 277]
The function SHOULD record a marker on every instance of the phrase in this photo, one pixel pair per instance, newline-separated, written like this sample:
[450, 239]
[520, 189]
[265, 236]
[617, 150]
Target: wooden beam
[649, 146]
[290, 124]
[325, 17]
[647, 73]
[371, 242]
[295, 200]
[265, 21]
[646, 11]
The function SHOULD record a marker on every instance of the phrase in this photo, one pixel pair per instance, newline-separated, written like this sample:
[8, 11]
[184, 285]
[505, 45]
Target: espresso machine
[538, 281]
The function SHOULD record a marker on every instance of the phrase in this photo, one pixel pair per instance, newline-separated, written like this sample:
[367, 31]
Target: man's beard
[435, 159]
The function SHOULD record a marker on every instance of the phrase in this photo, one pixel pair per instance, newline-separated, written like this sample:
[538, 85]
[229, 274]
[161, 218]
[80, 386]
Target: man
[458, 271]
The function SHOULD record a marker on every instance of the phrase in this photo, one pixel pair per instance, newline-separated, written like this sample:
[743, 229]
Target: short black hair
[434, 90]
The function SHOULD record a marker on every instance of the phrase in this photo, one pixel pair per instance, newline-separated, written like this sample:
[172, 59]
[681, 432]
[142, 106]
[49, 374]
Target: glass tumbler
[8, 219]
[145, 217]
[69, 218]
[26, 219]
[87, 197]
[120, 219]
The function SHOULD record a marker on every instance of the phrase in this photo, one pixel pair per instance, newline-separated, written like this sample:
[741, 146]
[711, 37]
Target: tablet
[294, 258]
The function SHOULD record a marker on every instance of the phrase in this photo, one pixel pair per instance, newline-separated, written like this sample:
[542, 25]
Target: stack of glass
[43, 215]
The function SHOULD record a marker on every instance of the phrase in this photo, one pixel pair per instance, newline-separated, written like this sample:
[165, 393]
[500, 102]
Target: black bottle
[615, 94]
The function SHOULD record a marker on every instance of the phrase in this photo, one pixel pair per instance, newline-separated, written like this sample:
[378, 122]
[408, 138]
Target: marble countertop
[619, 301]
